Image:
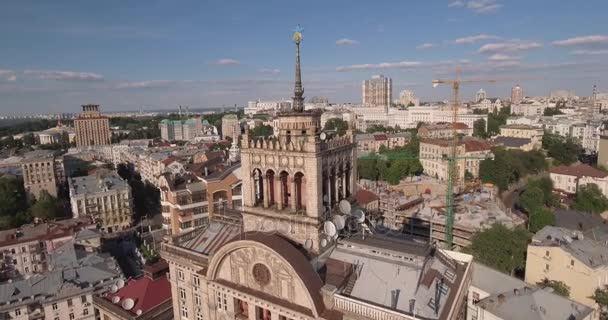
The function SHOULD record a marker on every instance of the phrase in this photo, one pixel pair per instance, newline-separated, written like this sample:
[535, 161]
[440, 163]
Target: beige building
[535, 134]
[602, 153]
[443, 130]
[91, 127]
[373, 142]
[57, 135]
[42, 171]
[517, 94]
[497, 296]
[469, 153]
[567, 179]
[105, 197]
[180, 130]
[230, 126]
[377, 91]
[573, 257]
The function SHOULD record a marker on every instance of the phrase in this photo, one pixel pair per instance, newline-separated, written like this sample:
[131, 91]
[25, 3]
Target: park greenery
[392, 165]
[508, 166]
[262, 131]
[15, 211]
[563, 150]
[589, 198]
[600, 296]
[538, 200]
[552, 112]
[558, 287]
[501, 248]
[339, 125]
[495, 120]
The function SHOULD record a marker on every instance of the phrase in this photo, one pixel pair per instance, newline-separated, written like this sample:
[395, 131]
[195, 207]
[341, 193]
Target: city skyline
[59, 56]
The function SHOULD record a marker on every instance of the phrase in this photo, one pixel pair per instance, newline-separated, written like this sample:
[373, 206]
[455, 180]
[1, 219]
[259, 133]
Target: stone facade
[91, 127]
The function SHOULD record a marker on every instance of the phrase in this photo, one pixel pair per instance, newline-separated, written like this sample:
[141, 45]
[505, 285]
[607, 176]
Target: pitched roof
[147, 293]
[380, 137]
[512, 141]
[364, 196]
[579, 170]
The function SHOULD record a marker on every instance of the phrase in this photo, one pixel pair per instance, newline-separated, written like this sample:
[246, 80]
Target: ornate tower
[293, 181]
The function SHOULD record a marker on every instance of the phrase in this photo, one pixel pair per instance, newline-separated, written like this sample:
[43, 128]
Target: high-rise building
[517, 94]
[42, 171]
[105, 197]
[180, 130]
[480, 95]
[408, 98]
[231, 126]
[91, 127]
[378, 91]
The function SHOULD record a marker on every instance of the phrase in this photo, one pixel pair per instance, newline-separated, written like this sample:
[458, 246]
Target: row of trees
[508, 166]
[538, 200]
[16, 211]
[392, 165]
[563, 150]
[495, 120]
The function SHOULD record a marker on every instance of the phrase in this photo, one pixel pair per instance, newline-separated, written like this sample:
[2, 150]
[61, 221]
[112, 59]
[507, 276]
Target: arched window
[299, 187]
[284, 178]
[270, 182]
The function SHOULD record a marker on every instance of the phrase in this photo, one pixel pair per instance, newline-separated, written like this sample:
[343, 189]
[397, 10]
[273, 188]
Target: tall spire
[298, 91]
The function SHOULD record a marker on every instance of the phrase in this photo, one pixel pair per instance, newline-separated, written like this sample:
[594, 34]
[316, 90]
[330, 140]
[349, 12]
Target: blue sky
[57, 55]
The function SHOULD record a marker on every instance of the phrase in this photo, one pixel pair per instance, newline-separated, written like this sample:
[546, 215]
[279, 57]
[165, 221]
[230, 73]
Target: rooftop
[364, 196]
[580, 245]
[511, 141]
[579, 170]
[520, 127]
[102, 181]
[43, 231]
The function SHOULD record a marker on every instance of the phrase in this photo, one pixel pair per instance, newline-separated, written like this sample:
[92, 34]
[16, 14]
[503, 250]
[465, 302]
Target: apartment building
[377, 91]
[91, 127]
[577, 258]
[367, 143]
[65, 291]
[24, 251]
[535, 134]
[231, 126]
[529, 108]
[469, 152]
[490, 105]
[184, 203]
[180, 130]
[517, 94]
[494, 295]
[105, 197]
[42, 170]
[443, 130]
[145, 298]
[567, 179]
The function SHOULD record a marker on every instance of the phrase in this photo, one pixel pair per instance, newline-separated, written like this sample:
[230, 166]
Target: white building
[410, 117]
[480, 95]
[517, 94]
[407, 97]
[529, 108]
[567, 179]
[255, 107]
[377, 91]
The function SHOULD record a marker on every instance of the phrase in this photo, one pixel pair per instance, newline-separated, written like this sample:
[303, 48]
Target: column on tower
[280, 203]
[266, 191]
[294, 196]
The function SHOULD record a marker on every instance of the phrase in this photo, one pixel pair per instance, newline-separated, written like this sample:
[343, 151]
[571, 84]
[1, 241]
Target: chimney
[395, 298]
[206, 171]
[516, 292]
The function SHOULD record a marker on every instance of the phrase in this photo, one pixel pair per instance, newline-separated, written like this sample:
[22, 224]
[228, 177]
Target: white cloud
[8, 75]
[226, 61]
[475, 38]
[346, 41]
[589, 52]
[384, 65]
[144, 84]
[502, 57]
[456, 4]
[269, 71]
[483, 6]
[592, 40]
[63, 75]
[425, 46]
[509, 46]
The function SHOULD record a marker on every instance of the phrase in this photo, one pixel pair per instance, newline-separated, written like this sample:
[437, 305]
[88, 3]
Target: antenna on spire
[298, 92]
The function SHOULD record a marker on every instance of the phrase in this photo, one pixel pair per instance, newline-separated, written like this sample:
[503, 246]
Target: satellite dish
[359, 215]
[339, 222]
[345, 206]
[138, 312]
[114, 288]
[120, 283]
[323, 136]
[128, 304]
[323, 243]
[308, 244]
[116, 299]
[329, 228]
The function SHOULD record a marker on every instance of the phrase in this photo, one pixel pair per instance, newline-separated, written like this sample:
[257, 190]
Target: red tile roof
[380, 137]
[580, 170]
[476, 145]
[364, 197]
[145, 292]
[169, 160]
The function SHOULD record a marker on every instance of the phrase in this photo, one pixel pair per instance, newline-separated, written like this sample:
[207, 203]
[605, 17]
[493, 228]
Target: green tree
[501, 248]
[45, 207]
[558, 287]
[552, 112]
[600, 296]
[367, 169]
[468, 176]
[397, 170]
[508, 166]
[381, 169]
[589, 198]
[336, 124]
[28, 139]
[12, 196]
[531, 199]
[262, 131]
[539, 218]
[479, 128]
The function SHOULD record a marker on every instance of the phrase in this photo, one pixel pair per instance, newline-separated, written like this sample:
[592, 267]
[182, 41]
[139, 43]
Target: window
[182, 293]
[57, 318]
[547, 253]
[184, 311]
[27, 270]
[196, 280]
[83, 299]
[221, 301]
[572, 262]
[85, 312]
[199, 316]
[180, 274]
[17, 312]
[22, 249]
[546, 267]
[54, 306]
[70, 303]
[72, 316]
[24, 259]
[197, 299]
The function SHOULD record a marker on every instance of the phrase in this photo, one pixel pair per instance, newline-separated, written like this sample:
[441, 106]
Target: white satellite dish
[345, 206]
[323, 243]
[339, 222]
[323, 136]
[120, 283]
[329, 228]
[308, 244]
[138, 312]
[116, 299]
[359, 215]
[128, 304]
[113, 288]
